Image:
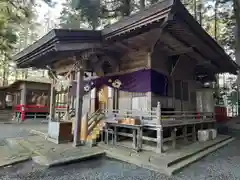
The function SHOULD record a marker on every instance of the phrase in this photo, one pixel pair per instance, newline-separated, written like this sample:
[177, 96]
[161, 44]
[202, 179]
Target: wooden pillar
[115, 138]
[185, 133]
[79, 102]
[3, 99]
[72, 96]
[159, 140]
[173, 92]
[52, 102]
[173, 136]
[139, 139]
[158, 113]
[93, 97]
[115, 98]
[84, 128]
[116, 94]
[182, 96]
[23, 101]
[23, 94]
[134, 138]
[194, 133]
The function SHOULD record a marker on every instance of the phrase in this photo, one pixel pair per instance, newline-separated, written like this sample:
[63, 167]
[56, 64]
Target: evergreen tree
[70, 18]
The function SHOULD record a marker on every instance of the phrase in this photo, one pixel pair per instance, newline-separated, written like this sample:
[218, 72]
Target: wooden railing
[144, 116]
[158, 117]
[180, 115]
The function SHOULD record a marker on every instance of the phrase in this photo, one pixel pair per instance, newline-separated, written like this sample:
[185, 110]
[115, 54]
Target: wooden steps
[96, 132]
[6, 115]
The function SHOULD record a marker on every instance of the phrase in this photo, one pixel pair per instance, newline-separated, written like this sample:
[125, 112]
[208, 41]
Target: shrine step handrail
[94, 118]
[92, 115]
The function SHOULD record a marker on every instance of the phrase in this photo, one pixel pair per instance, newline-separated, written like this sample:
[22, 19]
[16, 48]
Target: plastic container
[203, 135]
[213, 133]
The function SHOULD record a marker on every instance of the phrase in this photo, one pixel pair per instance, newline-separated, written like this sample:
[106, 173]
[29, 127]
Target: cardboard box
[129, 121]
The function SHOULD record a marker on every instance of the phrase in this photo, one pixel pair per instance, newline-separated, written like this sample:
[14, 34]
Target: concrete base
[49, 154]
[44, 161]
[170, 162]
[11, 153]
[59, 131]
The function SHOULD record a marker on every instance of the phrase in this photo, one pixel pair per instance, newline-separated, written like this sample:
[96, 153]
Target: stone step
[168, 162]
[174, 168]
[193, 153]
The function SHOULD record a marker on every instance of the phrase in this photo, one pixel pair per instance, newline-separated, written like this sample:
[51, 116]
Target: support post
[209, 125]
[79, 101]
[159, 140]
[194, 133]
[115, 98]
[158, 113]
[185, 134]
[115, 135]
[134, 138]
[139, 139]
[173, 136]
[72, 96]
[68, 99]
[52, 102]
[23, 101]
[84, 129]
[215, 125]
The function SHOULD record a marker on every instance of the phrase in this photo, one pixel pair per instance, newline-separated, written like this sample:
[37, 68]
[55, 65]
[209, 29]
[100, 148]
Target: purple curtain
[142, 81]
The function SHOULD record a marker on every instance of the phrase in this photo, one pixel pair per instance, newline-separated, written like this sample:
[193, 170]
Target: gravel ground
[18, 130]
[12, 130]
[223, 164]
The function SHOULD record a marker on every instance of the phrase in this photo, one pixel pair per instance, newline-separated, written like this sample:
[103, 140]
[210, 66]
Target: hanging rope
[64, 83]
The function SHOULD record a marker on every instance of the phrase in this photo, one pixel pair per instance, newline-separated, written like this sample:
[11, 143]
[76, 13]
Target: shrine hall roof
[168, 14]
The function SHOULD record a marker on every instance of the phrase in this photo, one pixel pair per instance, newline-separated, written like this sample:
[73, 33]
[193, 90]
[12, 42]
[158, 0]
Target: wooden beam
[52, 101]
[76, 46]
[79, 103]
[182, 51]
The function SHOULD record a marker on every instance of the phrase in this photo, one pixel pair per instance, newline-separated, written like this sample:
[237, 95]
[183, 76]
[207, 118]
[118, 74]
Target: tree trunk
[4, 75]
[126, 8]
[237, 33]
[142, 4]
[236, 6]
[195, 8]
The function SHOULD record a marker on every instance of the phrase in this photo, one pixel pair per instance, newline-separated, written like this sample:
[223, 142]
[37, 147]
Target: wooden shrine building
[29, 98]
[155, 59]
